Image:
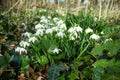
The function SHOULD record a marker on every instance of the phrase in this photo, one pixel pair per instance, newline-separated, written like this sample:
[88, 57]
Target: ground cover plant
[42, 44]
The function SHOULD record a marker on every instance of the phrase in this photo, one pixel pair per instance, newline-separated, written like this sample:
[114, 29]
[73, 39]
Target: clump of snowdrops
[52, 38]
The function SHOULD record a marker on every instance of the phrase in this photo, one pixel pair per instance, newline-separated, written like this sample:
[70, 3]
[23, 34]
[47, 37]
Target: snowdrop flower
[60, 34]
[44, 21]
[71, 30]
[43, 17]
[110, 39]
[95, 19]
[24, 44]
[95, 37]
[32, 39]
[56, 50]
[54, 28]
[102, 32]
[75, 29]
[55, 19]
[20, 50]
[26, 34]
[88, 30]
[39, 32]
[49, 17]
[49, 31]
[73, 36]
[39, 26]
[23, 24]
[63, 14]
[78, 29]
[63, 27]
[60, 22]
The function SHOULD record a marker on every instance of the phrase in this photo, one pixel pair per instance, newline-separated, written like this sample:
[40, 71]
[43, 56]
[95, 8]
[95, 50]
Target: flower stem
[83, 51]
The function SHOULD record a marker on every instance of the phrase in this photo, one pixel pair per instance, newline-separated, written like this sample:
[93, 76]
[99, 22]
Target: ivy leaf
[97, 73]
[54, 71]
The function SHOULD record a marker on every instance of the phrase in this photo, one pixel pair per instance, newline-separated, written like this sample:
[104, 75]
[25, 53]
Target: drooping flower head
[56, 50]
[24, 44]
[32, 39]
[39, 32]
[39, 26]
[88, 30]
[60, 34]
[49, 31]
[95, 37]
[26, 34]
[20, 50]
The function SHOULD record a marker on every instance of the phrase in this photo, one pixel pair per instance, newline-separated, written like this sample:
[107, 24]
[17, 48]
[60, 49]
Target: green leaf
[43, 60]
[111, 46]
[100, 63]
[25, 63]
[54, 71]
[74, 75]
[97, 73]
[62, 77]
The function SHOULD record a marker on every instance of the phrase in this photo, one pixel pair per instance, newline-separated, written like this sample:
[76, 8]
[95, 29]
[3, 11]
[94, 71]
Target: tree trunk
[100, 11]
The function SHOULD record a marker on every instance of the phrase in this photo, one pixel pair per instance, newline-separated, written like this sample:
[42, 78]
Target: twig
[100, 11]
[12, 7]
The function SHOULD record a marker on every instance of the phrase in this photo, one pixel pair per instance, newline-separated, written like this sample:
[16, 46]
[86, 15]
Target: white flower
[63, 27]
[26, 34]
[23, 24]
[110, 39]
[44, 21]
[32, 39]
[49, 17]
[95, 19]
[102, 32]
[43, 17]
[60, 22]
[60, 34]
[55, 19]
[24, 44]
[39, 32]
[88, 30]
[56, 50]
[75, 29]
[63, 14]
[71, 30]
[78, 29]
[20, 50]
[73, 36]
[49, 31]
[39, 26]
[95, 37]
[55, 28]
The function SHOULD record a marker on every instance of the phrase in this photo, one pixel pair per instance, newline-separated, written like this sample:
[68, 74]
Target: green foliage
[5, 61]
[79, 59]
[105, 67]
[110, 46]
[97, 73]
[43, 60]
[85, 21]
[74, 75]
[54, 71]
[24, 64]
